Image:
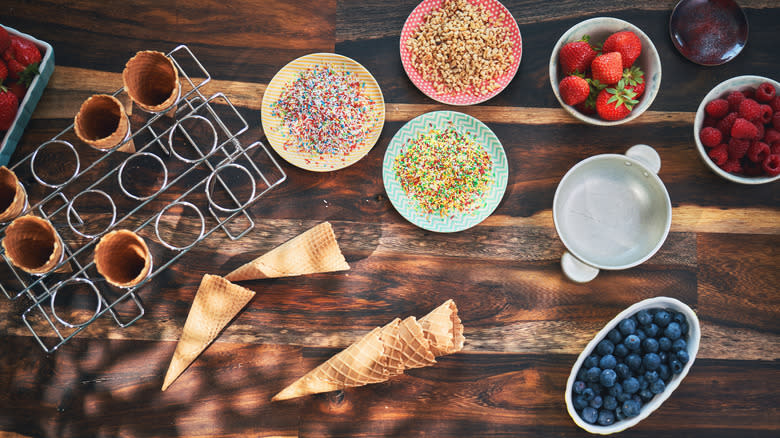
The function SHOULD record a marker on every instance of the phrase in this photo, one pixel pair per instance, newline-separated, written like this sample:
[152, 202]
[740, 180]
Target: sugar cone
[123, 258]
[152, 81]
[359, 364]
[102, 123]
[443, 329]
[33, 245]
[415, 348]
[314, 251]
[392, 347]
[13, 197]
[216, 303]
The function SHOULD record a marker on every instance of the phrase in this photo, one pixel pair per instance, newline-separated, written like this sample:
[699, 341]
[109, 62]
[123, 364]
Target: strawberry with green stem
[634, 78]
[615, 103]
[576, 56]
[23, 59]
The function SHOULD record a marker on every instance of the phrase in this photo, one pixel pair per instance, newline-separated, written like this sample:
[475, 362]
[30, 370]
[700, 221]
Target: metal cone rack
[199, 142]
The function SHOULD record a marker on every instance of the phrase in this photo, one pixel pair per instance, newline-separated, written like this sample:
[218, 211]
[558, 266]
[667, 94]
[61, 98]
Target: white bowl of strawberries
[737, 129]
[607, 87]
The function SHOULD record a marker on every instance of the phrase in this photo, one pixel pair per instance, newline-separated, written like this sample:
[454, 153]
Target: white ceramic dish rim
[646, 100]
[694, 339]
[718, 91]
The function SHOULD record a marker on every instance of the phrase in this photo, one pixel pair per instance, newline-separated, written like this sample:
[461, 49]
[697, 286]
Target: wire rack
[199, 140]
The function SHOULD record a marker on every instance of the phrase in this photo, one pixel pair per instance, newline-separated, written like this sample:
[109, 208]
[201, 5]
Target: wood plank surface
[525, 323]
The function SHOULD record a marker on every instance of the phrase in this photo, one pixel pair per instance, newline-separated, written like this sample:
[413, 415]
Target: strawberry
[576, 56]
[589, 106]
[627, 44]
[608, 68]
[8, 106]
[635, 80]
[23, 58]
[615, 103]
[5, 39]
[3, 71]
[574, 90]
[18, 89]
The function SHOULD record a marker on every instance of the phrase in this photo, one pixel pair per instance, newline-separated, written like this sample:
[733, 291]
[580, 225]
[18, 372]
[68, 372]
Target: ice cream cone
[443, 329]
[152, 81]
[314, 251]
[102, 123]
[216, 303]
[123, 258]
[33, 245]
[13, 197]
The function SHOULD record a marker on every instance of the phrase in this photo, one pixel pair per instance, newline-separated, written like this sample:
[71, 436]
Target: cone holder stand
[200, 139]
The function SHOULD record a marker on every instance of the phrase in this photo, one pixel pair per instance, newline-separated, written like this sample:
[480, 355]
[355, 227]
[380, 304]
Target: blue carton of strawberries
[26, 64]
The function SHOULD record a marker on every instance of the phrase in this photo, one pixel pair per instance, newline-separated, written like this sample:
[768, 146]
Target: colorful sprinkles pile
[445, 172]
[325, 111]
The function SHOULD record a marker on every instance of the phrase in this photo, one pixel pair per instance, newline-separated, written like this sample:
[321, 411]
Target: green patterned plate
[464, 124]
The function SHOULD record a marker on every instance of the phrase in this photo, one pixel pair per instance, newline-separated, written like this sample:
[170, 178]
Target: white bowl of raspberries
[737, 129]
[632, 365]
[605, 71]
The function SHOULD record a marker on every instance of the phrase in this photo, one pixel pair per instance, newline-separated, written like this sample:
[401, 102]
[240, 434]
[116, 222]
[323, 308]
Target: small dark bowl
[708, 32]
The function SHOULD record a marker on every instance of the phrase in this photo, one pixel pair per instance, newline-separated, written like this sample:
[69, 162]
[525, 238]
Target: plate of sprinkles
[461, 52]
[323, 112]
[445, 171]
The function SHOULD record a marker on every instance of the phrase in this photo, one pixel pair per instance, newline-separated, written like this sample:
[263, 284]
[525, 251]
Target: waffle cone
[33, 245]
[316, 250]
[123, 258]
[152, 81]
[13, 197]
[443, 329]
[216, 303]
[103, 123]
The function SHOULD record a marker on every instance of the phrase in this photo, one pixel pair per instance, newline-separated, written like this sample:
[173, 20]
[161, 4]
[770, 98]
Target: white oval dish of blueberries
[632, 365]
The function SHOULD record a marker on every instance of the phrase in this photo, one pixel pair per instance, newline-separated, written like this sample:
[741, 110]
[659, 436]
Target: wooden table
[525, 323]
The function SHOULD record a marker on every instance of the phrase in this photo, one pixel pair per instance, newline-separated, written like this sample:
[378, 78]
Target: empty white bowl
[599, 29]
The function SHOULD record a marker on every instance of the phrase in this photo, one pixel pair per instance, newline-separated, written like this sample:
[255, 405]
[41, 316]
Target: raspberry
[709, 121]
[760, 128]
[717, 108]
[775, 104]
[743, 129]
[774, 148]
[757, 151]
[765, 92]
[749, 109]
[725, 124]
[771, 165]
[732, 166]
[734, 98]
[771, 136]
[719, 154]
[766, 114]
[710, 137]
[776, 120]
[738, 148]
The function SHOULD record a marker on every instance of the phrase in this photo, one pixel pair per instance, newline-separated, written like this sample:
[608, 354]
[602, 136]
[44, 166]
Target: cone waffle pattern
[151, 80]
[32, 244]
[117, 257]
[384, 352]
[216, 303]
[102, 123]
[13, 195]
[314, 251]
[443, 329]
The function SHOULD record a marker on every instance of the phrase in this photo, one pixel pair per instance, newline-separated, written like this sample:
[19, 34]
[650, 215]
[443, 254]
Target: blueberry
[646, 395]
[683, 357]
[623, 396]
[608, 378]
[651, 361]
[630, 385]
[650, 345]
[634, 361]
[614, 336]
[679, 318]
[684, 328]
[605, 347]
[610, 402]
[650, 376]
[596, 402]
[641, 334]
[608, 362]
[616, 390]
[627, 326]
[662, 318]
[579, 402]
[679, 344]
[644, 317]
[593, 374]
[596, 387]
[582, 374]
[606, 418]
[658, 387]
[673, 331]
[619, 415]
[676, 366]
[664, 356]
[621, 350]
[651, 330]
[578, 387]
[588, 394]
[631, 408]
[591, 361]
[663, 372]
[643, 383]
[632, 342]
[664, 343]
[590, 415]
[622, 370]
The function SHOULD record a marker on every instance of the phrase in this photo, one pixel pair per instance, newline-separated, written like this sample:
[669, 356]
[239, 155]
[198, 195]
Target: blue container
[27, 106]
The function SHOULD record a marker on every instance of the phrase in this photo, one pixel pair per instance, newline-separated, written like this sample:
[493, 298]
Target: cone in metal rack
[152, 81]
[103, 123]
[443, 329]
[216, 303]
[123, 258]
[33, 245]
[316, 250]
[13, 197]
